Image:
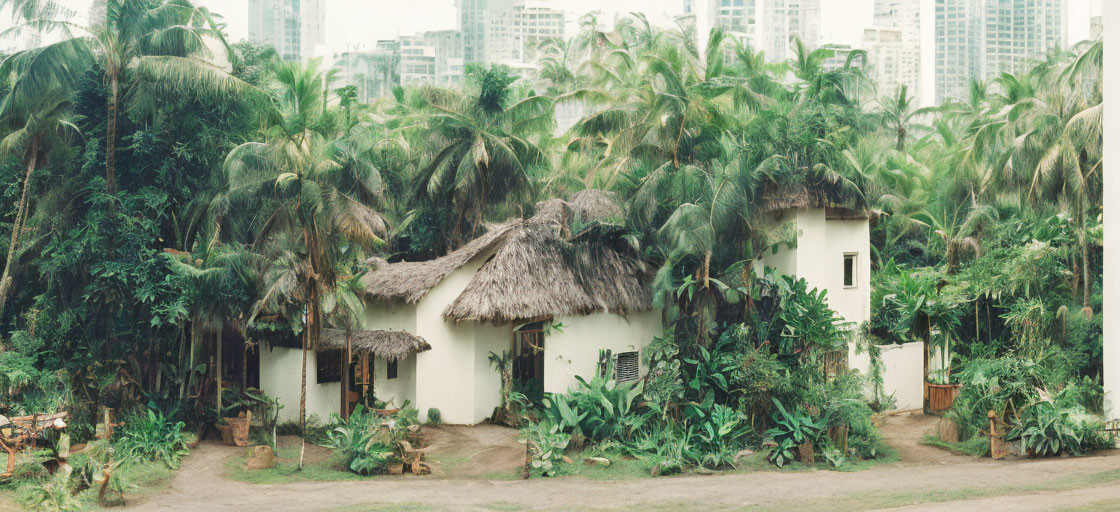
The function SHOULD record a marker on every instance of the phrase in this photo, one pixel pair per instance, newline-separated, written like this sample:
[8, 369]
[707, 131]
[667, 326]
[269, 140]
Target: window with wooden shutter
[626, 366]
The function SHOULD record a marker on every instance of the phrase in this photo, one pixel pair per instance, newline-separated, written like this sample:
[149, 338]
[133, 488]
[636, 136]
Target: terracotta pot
[941, 396]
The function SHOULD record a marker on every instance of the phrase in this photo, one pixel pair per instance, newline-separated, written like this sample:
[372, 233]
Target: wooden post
[344, 356]
[245, 365]
[365, 378]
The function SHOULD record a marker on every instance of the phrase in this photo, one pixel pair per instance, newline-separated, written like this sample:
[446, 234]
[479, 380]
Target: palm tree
[897, 112]
[140, 47]
[484, 146]
[33, 126]
[343, 308]
[315, 192]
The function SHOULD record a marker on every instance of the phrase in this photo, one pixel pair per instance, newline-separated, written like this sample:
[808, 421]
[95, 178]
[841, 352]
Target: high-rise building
[432, 58]
[533, 24]
[901, 51]
[294, 27]
[838, 57]
[506, 31]
[805, 21]
[976, 39]
[374, 73]
[761, 25]
[885, 59]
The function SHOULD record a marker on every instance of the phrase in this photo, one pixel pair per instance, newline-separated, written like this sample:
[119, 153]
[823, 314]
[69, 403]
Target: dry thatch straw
[800, 196]
[542, 270]
[538, 269]
[409, 281]
[383, 344]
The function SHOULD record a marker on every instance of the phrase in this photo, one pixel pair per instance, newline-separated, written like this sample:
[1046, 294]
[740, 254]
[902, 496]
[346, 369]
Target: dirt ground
[924, 478]
[465, 452]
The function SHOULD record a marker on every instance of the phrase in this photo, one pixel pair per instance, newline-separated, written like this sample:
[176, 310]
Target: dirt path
[955, 482]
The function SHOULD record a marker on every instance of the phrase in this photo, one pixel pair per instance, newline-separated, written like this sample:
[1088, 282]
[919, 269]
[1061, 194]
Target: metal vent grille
[626, 366]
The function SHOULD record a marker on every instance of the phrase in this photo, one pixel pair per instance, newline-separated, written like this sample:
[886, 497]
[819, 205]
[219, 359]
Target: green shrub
[1045, 429]
[547, 442]
[367, 441]
[790, 431]
[434, 416]
[150, 436]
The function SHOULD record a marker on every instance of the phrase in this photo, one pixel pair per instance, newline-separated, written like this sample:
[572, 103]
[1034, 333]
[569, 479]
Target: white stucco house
[553, 298]
[831, 251]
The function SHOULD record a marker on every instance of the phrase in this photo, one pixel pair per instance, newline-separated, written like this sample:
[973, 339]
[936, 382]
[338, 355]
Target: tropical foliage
[171, 202]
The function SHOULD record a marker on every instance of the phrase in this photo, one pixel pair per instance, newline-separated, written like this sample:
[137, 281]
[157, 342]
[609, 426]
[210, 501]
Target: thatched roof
[409, 281]
[801, 196]
[383, 344]
[539, 268]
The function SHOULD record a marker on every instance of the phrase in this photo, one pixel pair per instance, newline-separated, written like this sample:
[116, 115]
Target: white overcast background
[355, 24]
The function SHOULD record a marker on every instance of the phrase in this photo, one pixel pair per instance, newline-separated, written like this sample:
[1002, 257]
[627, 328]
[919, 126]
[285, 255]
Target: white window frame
[855, 269]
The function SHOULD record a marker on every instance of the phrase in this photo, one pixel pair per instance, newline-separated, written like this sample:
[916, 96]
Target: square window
[391, 369]
[850, 270]
[328, 366]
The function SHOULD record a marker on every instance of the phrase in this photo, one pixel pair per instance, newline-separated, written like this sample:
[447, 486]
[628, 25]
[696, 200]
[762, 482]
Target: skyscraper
[761, 25]
[805, 21]
[976, 39]
[294, 27]
[885, 59]
[895, 42]
[506, 31]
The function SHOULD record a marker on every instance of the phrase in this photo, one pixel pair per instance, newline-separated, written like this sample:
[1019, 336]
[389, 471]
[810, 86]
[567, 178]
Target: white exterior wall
[574, 350]
[395, 391]
[280, 378]
[819, 259]
[902, 374]
[451, 375]
[1111, 284]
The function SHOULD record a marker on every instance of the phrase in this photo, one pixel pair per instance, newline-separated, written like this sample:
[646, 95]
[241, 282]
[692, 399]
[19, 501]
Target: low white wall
[574, 350]
[280, 378]
[902, 374]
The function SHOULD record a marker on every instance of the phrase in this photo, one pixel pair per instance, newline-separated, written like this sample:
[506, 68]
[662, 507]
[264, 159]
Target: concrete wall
[450, 374]
[574, 350]
[822, 243]
[1111, 19]
[902, 374]
[280, 378]
[819, 258]
[398, 390]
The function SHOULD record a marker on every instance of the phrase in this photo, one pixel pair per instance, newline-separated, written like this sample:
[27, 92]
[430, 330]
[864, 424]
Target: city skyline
[357, 26]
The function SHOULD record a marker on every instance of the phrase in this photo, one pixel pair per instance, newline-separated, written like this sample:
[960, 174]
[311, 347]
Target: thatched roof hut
[539, 268]
[383, 344]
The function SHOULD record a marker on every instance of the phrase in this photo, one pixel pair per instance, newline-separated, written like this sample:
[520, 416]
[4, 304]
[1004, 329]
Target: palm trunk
[111, 134]
[1087, 287]
[303, 389]
[17, 226]
[218, 369]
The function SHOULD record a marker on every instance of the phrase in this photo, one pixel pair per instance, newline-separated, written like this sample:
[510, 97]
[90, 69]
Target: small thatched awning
[383, 344]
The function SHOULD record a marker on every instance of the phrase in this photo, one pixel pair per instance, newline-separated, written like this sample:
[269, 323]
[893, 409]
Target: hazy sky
[362, 22]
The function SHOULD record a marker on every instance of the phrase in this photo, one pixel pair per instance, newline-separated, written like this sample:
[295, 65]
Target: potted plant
[940, 392]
